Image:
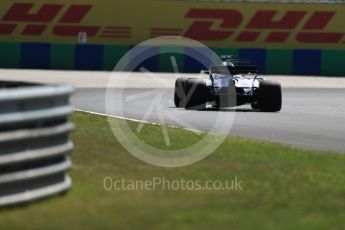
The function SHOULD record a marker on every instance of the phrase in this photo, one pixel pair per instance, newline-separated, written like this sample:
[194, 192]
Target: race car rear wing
[234, 70]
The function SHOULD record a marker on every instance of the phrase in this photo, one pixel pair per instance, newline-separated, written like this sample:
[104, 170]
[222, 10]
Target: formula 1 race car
[233, 83]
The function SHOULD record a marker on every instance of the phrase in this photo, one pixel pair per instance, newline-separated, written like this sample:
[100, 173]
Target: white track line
[140, 121]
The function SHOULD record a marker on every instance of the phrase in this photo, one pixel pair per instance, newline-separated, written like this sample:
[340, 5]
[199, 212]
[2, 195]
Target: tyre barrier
[34, 142]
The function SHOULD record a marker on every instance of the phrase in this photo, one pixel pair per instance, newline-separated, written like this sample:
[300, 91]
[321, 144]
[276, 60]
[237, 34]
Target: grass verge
[282, 187]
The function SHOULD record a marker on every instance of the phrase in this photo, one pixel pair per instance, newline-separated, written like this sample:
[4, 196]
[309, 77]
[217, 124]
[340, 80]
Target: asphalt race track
[313, 113]
[310, 118]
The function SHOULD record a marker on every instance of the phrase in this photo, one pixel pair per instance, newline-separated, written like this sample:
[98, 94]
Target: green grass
[283, 187]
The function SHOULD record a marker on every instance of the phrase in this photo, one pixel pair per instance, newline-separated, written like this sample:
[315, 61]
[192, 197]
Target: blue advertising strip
[89, 57]
[101, 57]
[257, 56]
[35, 56]
[306, 62]
[196, 59]
[144, 59]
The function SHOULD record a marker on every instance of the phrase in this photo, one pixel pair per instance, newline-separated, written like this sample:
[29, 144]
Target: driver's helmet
[220, 80]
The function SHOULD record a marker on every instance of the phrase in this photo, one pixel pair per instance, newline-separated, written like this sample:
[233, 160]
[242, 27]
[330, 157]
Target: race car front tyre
[179, 95]
[269, 96]
[196, 94]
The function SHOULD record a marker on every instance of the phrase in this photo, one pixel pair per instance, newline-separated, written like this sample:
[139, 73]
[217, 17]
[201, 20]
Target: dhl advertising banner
[215, 24]
[272, 28]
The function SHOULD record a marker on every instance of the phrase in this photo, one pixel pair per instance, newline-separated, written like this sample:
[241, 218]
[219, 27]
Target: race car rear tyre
[179, 95]
[255, 105]
[196, 94]
[269, 96]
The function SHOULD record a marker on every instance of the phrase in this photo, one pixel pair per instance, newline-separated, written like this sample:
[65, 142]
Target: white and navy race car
[233, 83]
